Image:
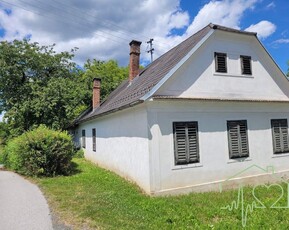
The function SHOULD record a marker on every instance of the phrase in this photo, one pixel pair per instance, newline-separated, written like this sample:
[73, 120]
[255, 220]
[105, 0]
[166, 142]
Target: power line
[151, 50]
[85, 21]
[108, 23]
[84, 16]
[65, 17]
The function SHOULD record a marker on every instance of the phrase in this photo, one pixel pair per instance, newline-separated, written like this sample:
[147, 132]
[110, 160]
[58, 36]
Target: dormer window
[246, 65]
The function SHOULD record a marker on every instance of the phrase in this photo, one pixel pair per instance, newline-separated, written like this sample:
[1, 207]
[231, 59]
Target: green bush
[1, 157]
[79, 154]
[40, 152]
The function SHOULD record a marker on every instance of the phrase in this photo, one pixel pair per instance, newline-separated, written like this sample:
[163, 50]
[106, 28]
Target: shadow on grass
[74, 169]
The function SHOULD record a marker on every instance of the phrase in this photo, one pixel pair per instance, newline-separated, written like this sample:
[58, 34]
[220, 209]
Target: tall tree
[38, 86]
[110, 73]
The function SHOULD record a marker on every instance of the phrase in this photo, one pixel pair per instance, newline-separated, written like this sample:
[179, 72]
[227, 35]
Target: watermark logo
[256, 197]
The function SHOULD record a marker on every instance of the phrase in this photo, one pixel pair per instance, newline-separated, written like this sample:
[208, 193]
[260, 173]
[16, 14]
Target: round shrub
[40, 152]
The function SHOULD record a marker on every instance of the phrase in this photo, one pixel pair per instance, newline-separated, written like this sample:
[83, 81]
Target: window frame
[93, 131]
[218, 55]
[240, 154]
[243, 69]
[285, 150]
[187, 147]
[83, 139]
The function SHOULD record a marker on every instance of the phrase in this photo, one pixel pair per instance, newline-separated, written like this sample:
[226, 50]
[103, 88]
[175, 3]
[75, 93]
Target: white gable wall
[121, 144]
[197, 77]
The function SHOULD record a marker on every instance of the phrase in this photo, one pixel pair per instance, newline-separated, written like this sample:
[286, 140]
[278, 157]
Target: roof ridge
[228, 29]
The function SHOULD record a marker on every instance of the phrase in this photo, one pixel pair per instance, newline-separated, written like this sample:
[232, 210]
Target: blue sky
[276, 12]
[103, 32]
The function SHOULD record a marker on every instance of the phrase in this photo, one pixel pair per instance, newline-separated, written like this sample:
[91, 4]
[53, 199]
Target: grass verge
[97, 198]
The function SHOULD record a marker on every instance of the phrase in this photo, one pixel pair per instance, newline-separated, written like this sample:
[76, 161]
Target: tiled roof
[128, 94]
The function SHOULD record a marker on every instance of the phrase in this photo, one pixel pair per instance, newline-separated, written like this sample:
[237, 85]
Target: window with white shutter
[280, 135]
[246, 65]
[83, 138]
[238, 139]
[186, 142]
[221, 62]
[93, 140]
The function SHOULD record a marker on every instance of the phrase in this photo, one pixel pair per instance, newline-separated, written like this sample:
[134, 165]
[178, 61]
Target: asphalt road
[22, 205]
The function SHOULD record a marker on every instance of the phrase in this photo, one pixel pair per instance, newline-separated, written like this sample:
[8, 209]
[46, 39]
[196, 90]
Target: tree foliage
[110, 73]
[38, 86]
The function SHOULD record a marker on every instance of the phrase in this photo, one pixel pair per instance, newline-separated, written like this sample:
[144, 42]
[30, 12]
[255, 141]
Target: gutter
[215, 99]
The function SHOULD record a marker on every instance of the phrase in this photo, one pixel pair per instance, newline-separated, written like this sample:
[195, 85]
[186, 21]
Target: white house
[212, 106]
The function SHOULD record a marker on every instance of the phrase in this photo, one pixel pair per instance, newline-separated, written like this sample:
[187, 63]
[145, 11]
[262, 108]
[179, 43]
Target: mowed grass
[94, 198]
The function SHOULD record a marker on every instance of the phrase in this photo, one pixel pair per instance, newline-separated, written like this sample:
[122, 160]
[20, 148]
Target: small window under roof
[221, 62]
[246, 65]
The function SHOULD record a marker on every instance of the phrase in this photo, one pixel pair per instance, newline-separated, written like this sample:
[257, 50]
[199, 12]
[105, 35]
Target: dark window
[83, 139]
[280, 135]
[186, 142]
[246, 65]
[93, 140]
[221, 62]
[238, 139]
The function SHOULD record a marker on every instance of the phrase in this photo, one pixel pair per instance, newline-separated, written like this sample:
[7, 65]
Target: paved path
[22, 205]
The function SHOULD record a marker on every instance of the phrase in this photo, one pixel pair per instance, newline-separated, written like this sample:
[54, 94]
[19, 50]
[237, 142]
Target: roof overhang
[132, 104]
[160, 97]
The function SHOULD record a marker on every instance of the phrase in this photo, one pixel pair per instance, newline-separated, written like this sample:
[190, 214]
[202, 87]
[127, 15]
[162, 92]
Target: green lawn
[96, 198]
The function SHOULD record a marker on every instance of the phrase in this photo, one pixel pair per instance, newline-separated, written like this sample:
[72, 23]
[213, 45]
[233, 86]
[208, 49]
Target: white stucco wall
[197, 77]
[215, 164]
[137, 143]
[121, 144]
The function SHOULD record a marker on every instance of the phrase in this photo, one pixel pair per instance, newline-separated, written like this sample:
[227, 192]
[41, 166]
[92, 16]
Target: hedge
[40, 152]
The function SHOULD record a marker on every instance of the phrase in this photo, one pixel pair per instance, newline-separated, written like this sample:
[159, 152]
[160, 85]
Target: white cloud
[282, 41]
[98, 29]
[179, 20]
[271, 5]
[263, 28]
[102, 29]
[226, 13]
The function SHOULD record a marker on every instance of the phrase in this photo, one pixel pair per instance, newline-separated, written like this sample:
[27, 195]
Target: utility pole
[151, 50]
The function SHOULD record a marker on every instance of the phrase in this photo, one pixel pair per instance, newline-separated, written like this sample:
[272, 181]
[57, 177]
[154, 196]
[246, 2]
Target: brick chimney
[96, 93]
[134, 59]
